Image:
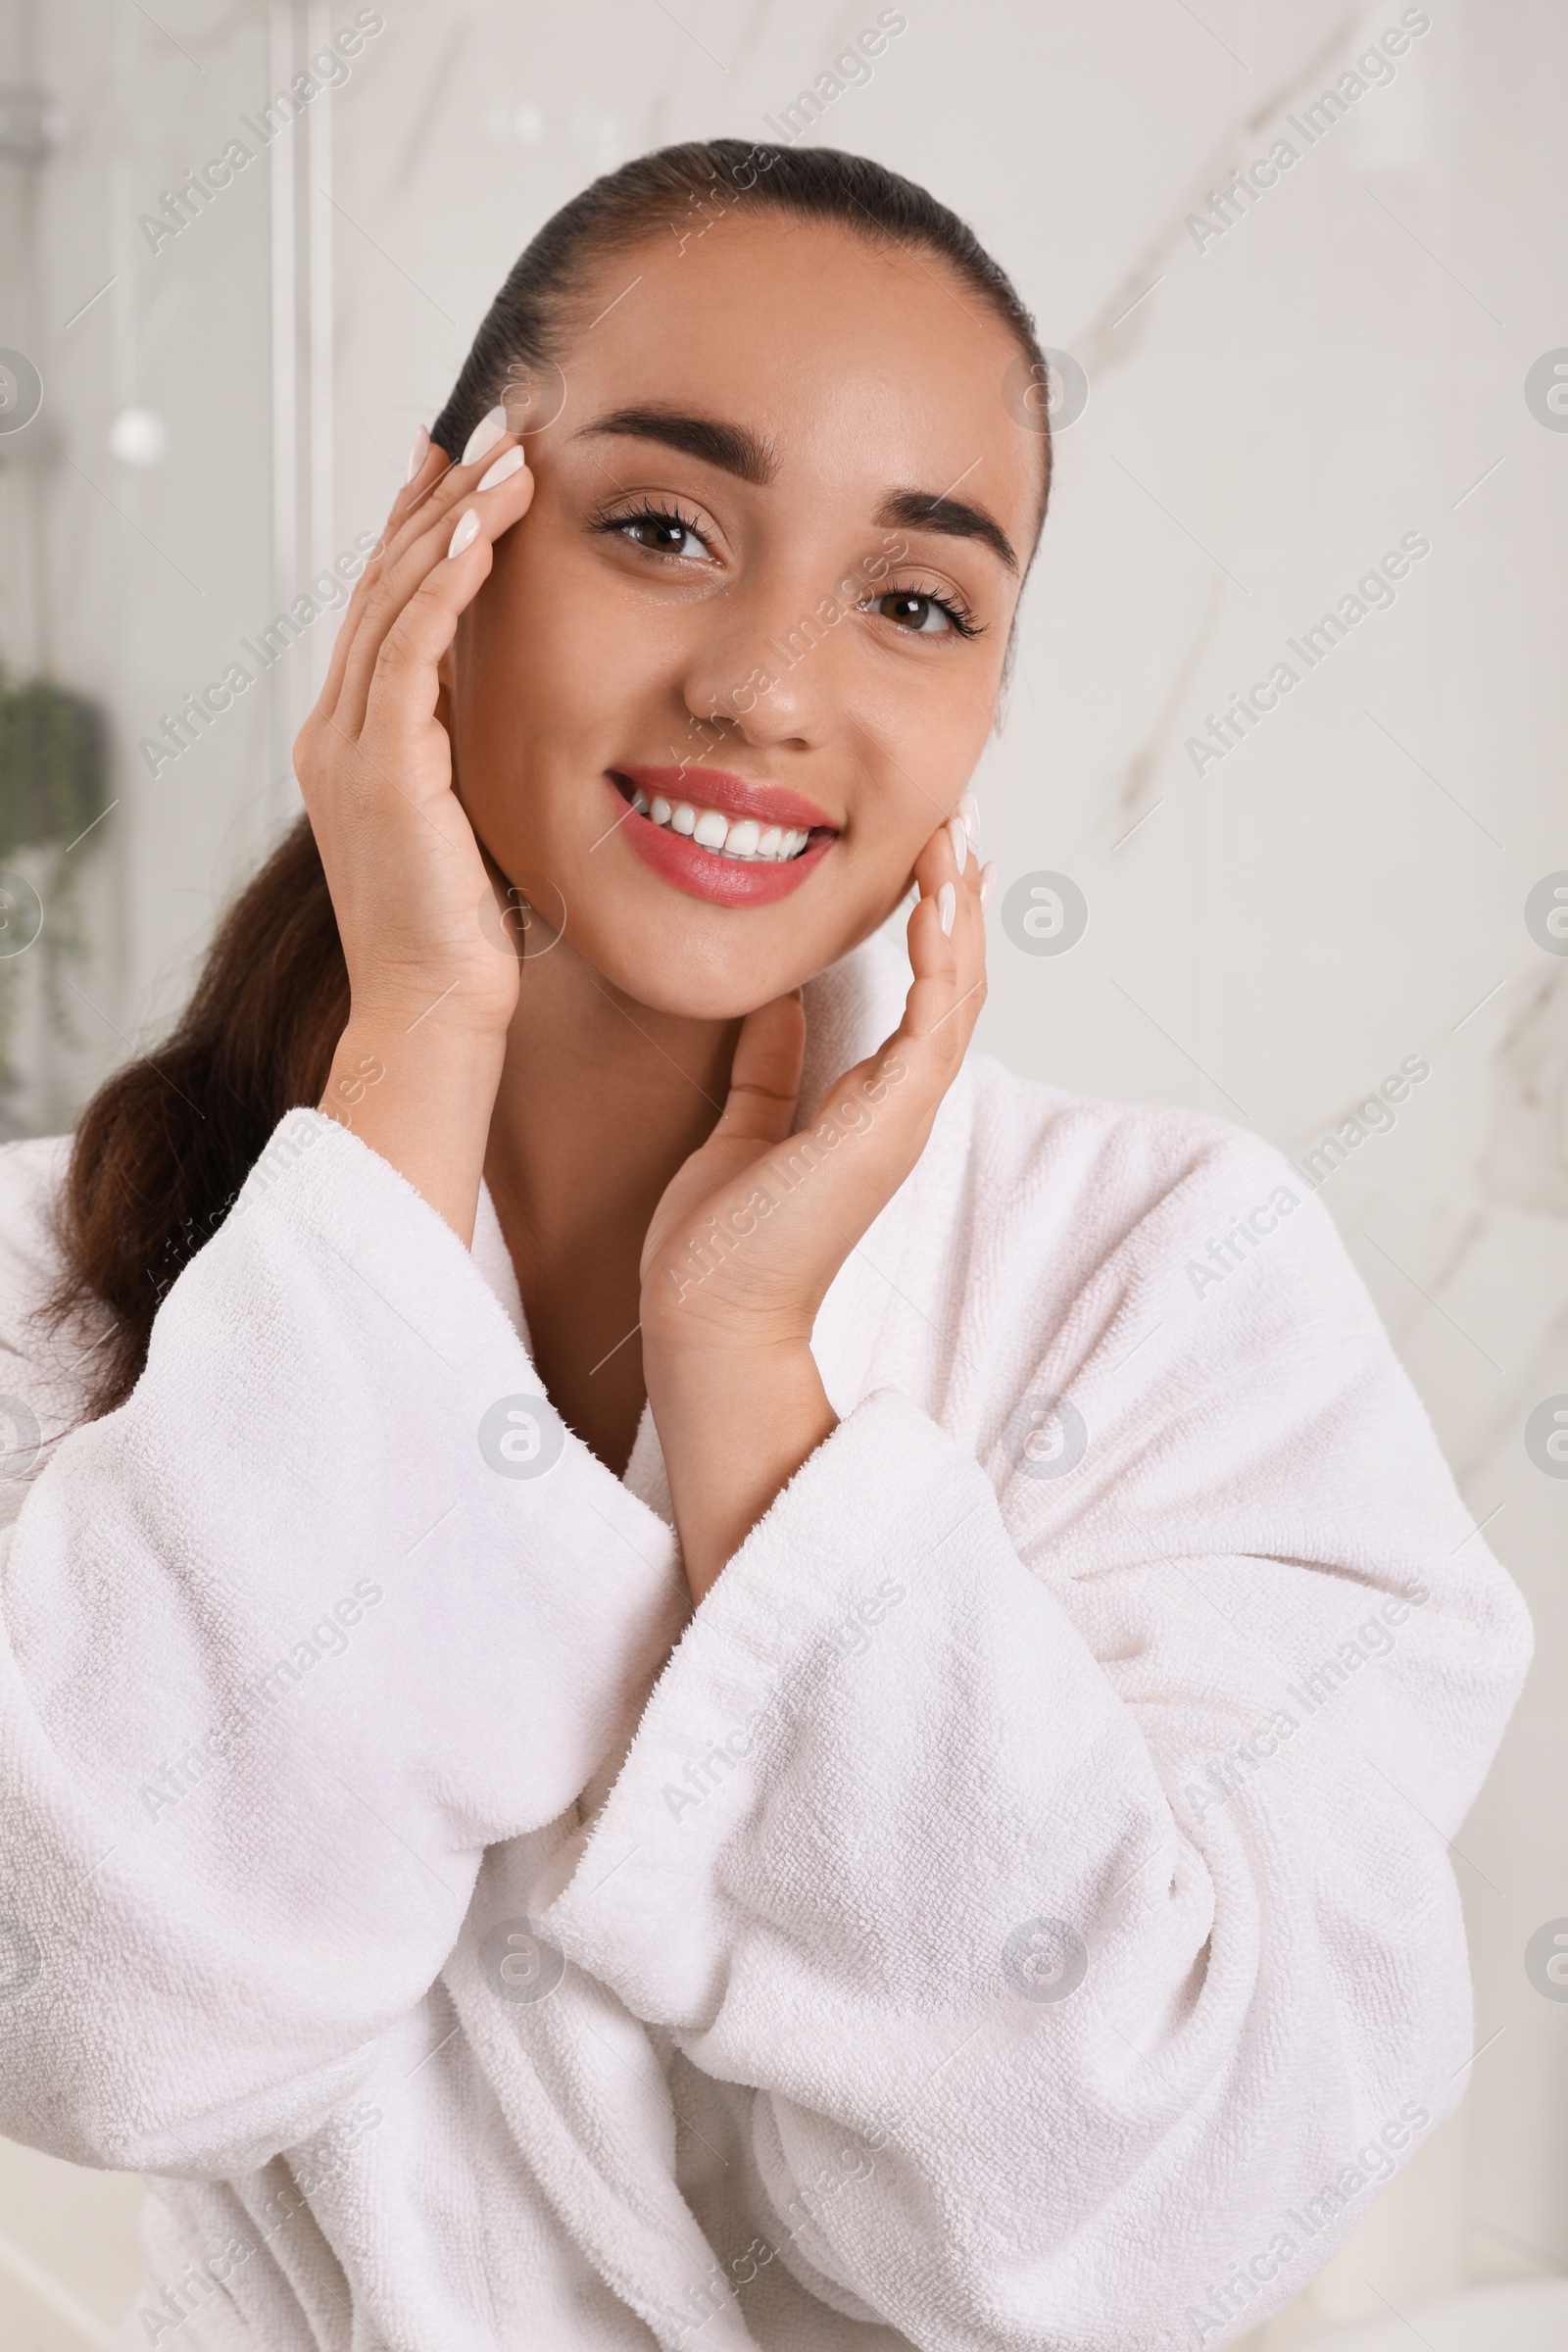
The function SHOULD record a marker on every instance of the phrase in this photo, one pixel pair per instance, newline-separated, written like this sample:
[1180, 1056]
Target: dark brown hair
[163, 1149]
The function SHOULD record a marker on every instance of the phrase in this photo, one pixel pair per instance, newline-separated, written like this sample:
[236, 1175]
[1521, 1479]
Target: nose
[774, 662]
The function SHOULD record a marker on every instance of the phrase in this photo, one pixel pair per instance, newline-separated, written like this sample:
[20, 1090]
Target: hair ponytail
[164, 1146]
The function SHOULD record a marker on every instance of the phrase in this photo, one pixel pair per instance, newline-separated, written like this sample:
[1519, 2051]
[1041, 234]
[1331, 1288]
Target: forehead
[862, 363]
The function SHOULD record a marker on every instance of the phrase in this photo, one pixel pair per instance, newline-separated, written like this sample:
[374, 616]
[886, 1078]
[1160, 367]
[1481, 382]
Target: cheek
[537, 635]
[547, 667]
[931, 732]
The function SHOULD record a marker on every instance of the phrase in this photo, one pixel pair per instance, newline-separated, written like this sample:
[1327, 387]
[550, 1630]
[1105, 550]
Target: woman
[686, 1691]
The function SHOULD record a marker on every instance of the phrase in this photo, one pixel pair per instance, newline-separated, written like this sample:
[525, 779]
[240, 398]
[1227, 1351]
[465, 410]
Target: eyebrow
[735, 448]
[949, 518]
[730, 447]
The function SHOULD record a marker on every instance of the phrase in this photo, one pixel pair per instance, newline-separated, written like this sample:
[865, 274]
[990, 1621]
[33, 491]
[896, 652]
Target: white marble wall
[1344, 366]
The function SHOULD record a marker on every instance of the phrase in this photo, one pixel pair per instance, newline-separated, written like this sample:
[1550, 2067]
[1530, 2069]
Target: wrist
[425, 1012]
[721, 1370]
[735, 1421]
[376, 1065]
[422, 1100]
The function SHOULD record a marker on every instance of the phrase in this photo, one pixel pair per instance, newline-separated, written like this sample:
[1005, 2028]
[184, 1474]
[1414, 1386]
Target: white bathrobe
[1012, 1911]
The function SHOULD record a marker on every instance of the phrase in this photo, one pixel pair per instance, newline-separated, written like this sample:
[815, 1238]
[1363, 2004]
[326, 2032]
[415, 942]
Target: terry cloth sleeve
[333, 1602]
[1053, 1854]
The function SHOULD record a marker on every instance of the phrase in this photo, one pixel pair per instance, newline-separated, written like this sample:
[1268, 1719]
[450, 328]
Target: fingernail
[502, 470]
[960, 840]
[987, 881]
[970, 810]
[418, 452]
[946, 907]
[466, 532]
[484, 436]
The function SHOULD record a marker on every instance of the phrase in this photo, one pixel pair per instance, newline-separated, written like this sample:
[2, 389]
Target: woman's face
[768, 573]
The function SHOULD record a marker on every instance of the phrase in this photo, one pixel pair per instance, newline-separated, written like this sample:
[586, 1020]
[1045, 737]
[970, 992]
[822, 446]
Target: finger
[428, 463]
[427, 491]
[969, 940]
[422, 557]
[944, 999]
[441, 480]
[934, 930]
[874, 1122]
[433, 488]
[963, 831]
[941, 935]
[412, 542]
[402, 701]
[765, 1073]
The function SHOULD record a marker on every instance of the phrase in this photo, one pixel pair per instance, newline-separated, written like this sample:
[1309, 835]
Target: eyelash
[959, 617]
[648, 510]
[964, 624]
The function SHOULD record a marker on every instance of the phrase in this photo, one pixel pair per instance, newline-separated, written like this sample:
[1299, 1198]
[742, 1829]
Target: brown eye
[661, 530]
[923, 614]
[663, 536]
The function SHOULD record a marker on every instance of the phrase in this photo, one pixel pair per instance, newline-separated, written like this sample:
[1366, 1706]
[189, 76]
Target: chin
[699, 963]
[688, 981]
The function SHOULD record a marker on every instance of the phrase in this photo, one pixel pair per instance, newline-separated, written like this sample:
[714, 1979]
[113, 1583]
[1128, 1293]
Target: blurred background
[209, 370]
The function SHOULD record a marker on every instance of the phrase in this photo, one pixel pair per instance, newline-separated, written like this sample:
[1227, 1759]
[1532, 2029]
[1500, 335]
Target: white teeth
[744, 837]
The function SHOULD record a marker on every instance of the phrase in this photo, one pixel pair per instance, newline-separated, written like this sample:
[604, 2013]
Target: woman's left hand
[752, 1229]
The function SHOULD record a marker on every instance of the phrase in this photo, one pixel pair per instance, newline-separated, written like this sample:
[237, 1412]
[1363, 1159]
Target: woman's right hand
[375, 761]
[433, 983]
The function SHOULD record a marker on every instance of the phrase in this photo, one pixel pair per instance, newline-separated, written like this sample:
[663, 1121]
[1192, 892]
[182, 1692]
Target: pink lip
[715, 788]
[722, 881]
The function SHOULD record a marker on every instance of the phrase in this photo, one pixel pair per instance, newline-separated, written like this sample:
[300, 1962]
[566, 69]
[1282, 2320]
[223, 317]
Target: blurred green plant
[53, 783]
[52, 765]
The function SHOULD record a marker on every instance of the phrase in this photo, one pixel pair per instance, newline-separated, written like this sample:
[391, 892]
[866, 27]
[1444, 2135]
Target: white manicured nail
[960, 840]
[417, 453]
[466, 532]
[970, 810]
[946, 907]
[987, 881]
[502, 470]
[484, 436]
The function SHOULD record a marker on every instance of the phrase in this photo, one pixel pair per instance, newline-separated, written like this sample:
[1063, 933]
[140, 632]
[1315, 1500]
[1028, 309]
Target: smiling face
[763, 593]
